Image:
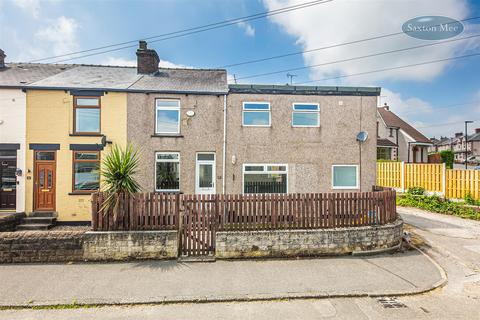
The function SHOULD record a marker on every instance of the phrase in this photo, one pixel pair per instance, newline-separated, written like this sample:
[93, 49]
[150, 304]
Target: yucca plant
[118, 169]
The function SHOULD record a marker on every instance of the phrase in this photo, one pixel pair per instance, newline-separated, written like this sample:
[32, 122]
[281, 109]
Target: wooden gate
[197, 236]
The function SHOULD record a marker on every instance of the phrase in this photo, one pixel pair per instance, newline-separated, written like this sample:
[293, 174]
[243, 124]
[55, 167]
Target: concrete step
[41, 220]
[34, 226]
[43, 214]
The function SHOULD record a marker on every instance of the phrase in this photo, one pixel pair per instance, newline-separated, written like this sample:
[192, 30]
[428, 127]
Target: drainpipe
[224, 155]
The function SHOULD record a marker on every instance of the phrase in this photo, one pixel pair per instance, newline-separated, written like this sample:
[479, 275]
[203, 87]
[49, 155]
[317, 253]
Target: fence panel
[389, 174]
[426, 175]
[462, 182]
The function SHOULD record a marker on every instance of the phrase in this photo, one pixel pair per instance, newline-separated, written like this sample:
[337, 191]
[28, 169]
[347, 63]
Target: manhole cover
[391, 303]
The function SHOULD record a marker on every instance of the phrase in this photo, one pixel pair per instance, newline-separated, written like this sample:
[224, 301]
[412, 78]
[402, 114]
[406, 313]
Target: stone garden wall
[292, 243]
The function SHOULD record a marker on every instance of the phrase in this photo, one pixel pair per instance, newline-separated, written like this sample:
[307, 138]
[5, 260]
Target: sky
[436, 98]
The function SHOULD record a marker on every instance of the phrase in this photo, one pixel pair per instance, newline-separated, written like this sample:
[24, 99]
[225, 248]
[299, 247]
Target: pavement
[172, 281]
[452, 242]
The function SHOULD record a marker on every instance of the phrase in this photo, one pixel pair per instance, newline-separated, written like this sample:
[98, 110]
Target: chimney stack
[477, 130]
[2, 59]
[458, 135]
[147, 59]
[386, 106]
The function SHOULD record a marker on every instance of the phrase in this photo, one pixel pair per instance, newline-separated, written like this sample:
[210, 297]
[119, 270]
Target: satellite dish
[362, 136]
[190, 113]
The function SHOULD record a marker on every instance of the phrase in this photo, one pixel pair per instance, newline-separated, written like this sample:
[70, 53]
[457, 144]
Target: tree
[447, 158]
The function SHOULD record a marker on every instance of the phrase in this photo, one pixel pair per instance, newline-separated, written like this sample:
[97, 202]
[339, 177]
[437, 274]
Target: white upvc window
[345, 176]
[265, 178]
[256, 114]
[167, 116]
[306, 115]
[167, 171]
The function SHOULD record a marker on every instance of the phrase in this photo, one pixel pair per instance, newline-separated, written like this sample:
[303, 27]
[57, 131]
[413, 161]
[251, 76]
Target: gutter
[224, 155]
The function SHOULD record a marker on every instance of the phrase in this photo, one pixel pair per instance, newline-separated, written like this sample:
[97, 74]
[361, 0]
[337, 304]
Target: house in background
[398, 140]
[13, 78]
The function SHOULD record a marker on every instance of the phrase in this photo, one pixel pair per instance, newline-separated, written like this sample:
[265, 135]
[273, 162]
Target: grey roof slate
[91, 77]
[184, 80]
[21, 74]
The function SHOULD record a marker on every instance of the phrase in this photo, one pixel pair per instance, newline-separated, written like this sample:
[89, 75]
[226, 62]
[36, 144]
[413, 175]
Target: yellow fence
[432, 177]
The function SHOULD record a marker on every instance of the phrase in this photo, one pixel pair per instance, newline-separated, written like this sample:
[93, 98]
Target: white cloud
[60, 34]
[404, 106]
[249, 30]
[133, 63]
[343, 21]
[32, 7]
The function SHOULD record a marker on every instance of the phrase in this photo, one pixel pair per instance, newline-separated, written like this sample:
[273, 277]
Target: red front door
[44, 183]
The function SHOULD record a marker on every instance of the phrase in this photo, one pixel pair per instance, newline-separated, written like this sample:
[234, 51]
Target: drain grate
[391, 303]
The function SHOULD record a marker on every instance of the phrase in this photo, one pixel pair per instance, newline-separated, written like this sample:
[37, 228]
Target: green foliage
[416, 191]
[118, 169]
[447, 158]
[437, 204]
[470, 200]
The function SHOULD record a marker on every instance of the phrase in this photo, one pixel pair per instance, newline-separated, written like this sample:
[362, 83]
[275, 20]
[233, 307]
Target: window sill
[254, 126]
[163, 135]
[86, 135]
[76, 193]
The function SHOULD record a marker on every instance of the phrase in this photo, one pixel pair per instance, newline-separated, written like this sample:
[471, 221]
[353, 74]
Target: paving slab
[171, 281]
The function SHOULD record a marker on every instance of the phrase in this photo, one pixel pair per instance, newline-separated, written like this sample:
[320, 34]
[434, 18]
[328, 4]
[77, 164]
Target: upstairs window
[86, 171]
[306, 115]
[256, 114]
[265, 178]
[167, 116]
[86, 115]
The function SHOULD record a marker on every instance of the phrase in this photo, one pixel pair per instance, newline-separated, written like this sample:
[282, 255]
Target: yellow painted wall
[50, 120]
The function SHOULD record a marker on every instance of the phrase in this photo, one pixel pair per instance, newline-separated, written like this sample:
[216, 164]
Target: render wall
[309, 152]
[13, 130]
[201, 133]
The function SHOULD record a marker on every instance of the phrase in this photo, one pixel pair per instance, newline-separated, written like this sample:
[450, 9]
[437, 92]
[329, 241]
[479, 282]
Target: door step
[38, 221]
[209, 258]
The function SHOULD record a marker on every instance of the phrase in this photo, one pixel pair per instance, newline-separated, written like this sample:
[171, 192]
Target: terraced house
[196, 134]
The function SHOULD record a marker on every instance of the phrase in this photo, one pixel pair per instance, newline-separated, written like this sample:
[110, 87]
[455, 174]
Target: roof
[17, 75]
[304, 90]
[445, 141]
[474, 137]
[386, 143]
[392, 120]
[113, 78]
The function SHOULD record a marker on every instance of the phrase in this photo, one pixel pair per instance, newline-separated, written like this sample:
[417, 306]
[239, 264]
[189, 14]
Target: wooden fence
[452, 183]
[154, 211]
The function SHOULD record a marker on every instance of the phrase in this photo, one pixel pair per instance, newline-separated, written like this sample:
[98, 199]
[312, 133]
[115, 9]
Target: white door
[205, 173]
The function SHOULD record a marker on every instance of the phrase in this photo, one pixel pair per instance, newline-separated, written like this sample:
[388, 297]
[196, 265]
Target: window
[86, 171]
[384, 153]
[167, 115]
[265, 178]
[44, 155]
[256, 114]
[391, 132]
[86, 115]
[167, 171]
[306, 115]
[345, 176]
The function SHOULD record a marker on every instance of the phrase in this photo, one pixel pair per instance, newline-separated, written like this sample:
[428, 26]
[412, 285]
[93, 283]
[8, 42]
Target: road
[452, 242]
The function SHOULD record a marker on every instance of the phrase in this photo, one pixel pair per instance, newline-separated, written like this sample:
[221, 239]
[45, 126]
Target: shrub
[447, 158]
[416, 191]
[470, 200]
[118, 168]
[439, 205]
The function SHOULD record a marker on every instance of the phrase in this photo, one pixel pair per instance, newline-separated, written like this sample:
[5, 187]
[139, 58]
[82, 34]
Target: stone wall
[120, 245]
[41, 246]
[292, 243]
[9, 221]
[65, 246]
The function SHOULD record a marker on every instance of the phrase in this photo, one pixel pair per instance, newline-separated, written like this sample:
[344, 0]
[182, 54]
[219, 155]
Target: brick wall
[115, 245]
[41, 246]
[292, 243]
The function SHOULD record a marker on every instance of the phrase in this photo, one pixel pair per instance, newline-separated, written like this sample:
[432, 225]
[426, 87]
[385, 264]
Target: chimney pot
[147, 59]
[2, 59]
[385, 105]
